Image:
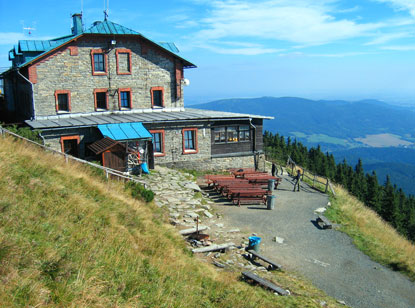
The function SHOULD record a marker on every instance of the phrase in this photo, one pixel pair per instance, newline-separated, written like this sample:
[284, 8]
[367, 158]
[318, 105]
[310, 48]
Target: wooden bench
[211, 179]
[249, 197]
[272, 265]
[265, 283]
[263, 179]
[324, 222]
[231, 191]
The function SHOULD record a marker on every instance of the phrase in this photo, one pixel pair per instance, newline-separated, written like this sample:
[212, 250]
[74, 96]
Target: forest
[388, 200]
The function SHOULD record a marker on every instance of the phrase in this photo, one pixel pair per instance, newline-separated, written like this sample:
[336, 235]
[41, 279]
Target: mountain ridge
[340, 127]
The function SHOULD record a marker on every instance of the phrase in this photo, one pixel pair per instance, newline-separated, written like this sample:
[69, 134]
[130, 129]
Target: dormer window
[99, 62]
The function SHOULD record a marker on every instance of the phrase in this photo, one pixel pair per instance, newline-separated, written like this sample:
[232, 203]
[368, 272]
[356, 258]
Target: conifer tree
[373, 192]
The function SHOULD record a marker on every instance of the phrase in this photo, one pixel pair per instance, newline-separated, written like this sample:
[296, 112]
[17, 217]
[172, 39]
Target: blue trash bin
[144, 168]
[254, 243]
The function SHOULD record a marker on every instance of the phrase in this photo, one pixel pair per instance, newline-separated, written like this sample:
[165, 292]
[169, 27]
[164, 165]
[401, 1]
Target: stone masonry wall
[86, 136]
[216, 164]
[66, 70]
[173, 144]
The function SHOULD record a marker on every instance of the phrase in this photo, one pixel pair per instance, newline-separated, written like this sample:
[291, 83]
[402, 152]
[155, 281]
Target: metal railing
[108, 171]
[314, 178]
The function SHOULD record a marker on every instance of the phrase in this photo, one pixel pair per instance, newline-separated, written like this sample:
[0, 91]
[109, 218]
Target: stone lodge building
[110, 93]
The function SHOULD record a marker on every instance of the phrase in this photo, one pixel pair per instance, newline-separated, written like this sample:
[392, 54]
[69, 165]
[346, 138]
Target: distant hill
[347, 129]
[333, 124]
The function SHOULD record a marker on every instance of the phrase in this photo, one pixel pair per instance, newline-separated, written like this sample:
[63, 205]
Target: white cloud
[350, 10]
[340, 55]
[399, 48]
[385, 38]
[294, 21]
[403, 5]
[238, 48]
[324, 55]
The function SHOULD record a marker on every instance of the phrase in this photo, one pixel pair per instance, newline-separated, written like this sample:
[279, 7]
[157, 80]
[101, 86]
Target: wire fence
[312, 177]
[108, 171]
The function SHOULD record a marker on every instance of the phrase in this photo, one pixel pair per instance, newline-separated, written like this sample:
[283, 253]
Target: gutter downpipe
[254, 127]
[33, 96]
[256, 156]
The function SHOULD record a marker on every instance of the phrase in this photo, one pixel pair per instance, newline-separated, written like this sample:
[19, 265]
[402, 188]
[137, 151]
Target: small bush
[25, 132]
[138, 191]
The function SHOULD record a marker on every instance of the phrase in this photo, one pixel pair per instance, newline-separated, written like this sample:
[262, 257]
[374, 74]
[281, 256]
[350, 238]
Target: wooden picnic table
[211, 179]
[249, 172]
[264, 180]
[240, 169]
[245, 185]
[227, 181]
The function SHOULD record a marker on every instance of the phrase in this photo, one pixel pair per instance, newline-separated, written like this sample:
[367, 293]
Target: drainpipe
[254, 135]
[33, 96]
[43, 138]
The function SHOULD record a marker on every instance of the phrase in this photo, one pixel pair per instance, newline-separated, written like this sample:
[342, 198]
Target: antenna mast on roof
[29, 29]
[106, 8]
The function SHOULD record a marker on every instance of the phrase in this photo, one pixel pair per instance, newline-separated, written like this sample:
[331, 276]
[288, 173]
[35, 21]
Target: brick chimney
[77, 24]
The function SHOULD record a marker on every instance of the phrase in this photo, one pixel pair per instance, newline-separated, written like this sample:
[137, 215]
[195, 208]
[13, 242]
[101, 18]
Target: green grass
[69, 238]
[371, 234]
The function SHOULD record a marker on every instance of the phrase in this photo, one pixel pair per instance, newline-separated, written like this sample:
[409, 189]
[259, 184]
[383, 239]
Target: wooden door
[114, 160]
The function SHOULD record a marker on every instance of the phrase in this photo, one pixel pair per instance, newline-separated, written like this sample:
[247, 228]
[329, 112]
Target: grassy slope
[371, 234]
[70, 239]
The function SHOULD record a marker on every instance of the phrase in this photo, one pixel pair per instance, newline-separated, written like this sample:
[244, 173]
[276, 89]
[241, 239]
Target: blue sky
[320, 49]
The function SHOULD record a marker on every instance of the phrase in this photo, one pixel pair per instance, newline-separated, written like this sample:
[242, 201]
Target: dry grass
[71, 239]
[371, 234]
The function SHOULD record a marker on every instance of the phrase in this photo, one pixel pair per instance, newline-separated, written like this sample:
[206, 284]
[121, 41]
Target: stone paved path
[327, 257]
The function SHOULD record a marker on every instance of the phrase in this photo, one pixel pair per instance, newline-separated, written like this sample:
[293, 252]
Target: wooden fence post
[106, 174]
[66, 158]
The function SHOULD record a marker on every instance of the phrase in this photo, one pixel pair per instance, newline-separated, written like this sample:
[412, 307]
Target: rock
[329, 203]
[261, 268]
[219, 225]
[174, 215]
[220, 265]
[320, 210]
[323, 303]
[278, 240]
[207, 214]
[174, 222]
[207, 243]
[191, 215]
[216, 255]
[206, 207]
[230, 262]
[341, 302]
[234, 231]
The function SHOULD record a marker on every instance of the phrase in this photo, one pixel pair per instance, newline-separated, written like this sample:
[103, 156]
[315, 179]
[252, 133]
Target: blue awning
[124, 131]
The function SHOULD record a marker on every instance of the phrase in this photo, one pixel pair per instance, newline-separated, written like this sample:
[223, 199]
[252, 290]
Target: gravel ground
[326, 257]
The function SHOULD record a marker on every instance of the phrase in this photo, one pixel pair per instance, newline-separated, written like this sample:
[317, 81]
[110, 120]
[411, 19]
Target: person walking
[273, 169]
[297, 180]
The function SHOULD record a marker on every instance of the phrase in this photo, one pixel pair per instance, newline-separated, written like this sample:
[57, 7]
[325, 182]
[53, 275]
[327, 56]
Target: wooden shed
[113, 154]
